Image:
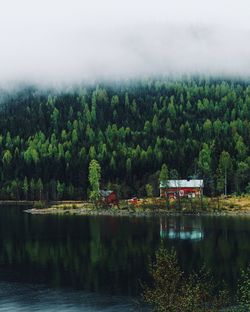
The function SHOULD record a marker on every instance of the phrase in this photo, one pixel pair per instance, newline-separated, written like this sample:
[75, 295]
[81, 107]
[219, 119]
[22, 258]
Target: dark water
[70, 263]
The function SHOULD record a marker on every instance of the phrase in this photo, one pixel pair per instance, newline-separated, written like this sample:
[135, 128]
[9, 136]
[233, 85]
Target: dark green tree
[223, 172]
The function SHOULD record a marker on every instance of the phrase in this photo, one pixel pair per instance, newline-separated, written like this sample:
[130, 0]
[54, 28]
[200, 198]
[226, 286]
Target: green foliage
[7, 158]
[39, 204]
[132, 129]
[31, 155]
[173, 174]
[32, 189]
[25, 187]
[149, 190]
[205, 160]
[164, 173]
[39, 188]
[248, 188]
[172, 291]
[224, 171]
[244, 292]
[242, 174]
[60, 187]
[94, 179]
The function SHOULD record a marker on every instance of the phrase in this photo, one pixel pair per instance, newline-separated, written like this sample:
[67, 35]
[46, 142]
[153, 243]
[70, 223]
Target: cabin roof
[105, 193]
[181, 183]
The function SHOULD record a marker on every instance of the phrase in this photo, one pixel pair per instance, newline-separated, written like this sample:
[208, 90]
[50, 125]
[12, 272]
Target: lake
[77, 263]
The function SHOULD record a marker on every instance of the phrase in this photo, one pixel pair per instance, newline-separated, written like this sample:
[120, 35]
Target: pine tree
[223, 171]
[25, 188]
[149, 190]
[164, 173]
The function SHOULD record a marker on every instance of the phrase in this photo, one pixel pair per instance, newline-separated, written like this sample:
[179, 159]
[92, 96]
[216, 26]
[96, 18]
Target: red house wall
[186, 190]
[111, 198]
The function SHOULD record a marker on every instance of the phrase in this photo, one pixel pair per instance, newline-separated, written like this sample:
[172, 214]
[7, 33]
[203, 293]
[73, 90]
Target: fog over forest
[70, 41]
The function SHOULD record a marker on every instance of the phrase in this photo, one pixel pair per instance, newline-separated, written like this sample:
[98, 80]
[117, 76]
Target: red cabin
[181, 188]
[109, 198]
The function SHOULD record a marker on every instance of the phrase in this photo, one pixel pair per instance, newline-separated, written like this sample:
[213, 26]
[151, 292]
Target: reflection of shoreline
[181, 228]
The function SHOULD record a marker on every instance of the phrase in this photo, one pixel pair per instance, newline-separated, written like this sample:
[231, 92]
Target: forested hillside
[199, 128]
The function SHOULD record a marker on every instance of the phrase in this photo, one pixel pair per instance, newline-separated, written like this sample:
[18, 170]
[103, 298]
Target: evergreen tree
[205, 160]
[149, 190]
[7, 158]
[39, 187]
[25, 188]
[32, 189]
[128, 128]
[164, 173]
[60, 189]
[223, 172]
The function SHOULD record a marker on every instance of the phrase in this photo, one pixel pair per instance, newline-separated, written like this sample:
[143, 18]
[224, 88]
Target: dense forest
[197, 127]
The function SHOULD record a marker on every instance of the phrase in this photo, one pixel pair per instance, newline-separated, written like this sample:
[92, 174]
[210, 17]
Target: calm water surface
[72, 263]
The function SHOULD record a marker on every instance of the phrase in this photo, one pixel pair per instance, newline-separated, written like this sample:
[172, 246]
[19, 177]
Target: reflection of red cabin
[182, 188]
[109, 198]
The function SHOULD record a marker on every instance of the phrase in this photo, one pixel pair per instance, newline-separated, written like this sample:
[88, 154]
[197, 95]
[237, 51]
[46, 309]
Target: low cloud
[68, 41]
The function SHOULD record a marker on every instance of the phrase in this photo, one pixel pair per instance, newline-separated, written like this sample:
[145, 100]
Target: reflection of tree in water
[91, 253]
[224, 249]
[111, 254]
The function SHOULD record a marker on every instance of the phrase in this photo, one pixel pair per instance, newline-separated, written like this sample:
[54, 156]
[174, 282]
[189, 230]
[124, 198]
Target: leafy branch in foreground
[244, 291]
[172, 291]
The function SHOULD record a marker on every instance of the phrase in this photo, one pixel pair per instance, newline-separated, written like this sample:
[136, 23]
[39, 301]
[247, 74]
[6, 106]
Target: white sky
[73, 40]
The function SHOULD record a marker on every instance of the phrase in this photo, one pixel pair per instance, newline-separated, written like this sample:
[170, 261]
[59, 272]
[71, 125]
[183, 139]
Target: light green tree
[204, 161]
[94, 179]
[31, 154]
[55, 117]
[92, 152]
[7, 158]
[240, 148]
[164, 173]
[74, 136]
[114, 101]
[149, 190]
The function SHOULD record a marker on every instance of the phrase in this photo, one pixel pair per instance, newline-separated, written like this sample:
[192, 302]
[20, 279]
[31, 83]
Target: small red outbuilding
[109, 197]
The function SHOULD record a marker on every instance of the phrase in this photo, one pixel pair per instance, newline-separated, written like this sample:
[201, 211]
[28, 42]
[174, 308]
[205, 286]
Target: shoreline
[17, 203]
[233, 206]
[133, 213]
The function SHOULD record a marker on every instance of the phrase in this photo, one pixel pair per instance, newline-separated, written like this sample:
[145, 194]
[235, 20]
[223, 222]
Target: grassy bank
[235, 205]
